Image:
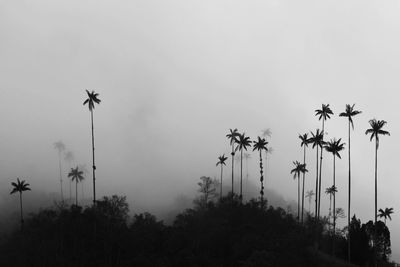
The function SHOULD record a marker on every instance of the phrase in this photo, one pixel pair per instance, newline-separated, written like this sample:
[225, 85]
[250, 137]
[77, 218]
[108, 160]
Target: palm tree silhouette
[242, 143]
[375, 131]
[350, 112]
[318, 142]
[334, 146]
[77, 176]
[232, 137]
[304, 143]
[330, 191]
[324, 114]
[261, 145]
[298, 169]
[309, 195]
[221, 161]
[385, 213]
[60, 148]
[20, 186]
[266, 133]
[69, 157]
[91, 100]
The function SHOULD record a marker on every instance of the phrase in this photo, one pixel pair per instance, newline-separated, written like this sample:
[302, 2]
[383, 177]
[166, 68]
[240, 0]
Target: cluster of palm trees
[76, 174]
[334, 146]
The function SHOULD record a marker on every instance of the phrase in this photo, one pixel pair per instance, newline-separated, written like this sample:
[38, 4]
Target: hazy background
[174, 76]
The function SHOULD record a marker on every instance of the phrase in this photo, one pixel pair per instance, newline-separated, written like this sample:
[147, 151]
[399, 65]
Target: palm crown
[299, 168]
[324, 112]
[92, 98]
[385, 213]
[310, 194]
[260, 144]
[331, 190]
[349, 113]
[304, 139]
[76, 174]
[221, 160]
[317, 138]
[376, 130]
[19, 186]
[243, 142]
[59, 146]
[334, 146]
[232, 136]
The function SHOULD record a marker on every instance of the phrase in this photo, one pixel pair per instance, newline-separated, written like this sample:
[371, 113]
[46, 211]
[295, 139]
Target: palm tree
[267, 134]
[20, 186]
[330, 191]
[221, 161]
[324, 114]
[242, 143]
[304, 143]
[309, 195]
[318, 142]
[261, 145]
[60, 148]
[375, 131]
[298, 169]
[91, 100]
[69, 157]
[350, 112]
[232, 137]
[77, 176]
[334, 146]
[385, 213]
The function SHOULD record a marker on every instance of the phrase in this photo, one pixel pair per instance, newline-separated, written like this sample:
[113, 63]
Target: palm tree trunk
[376, 199]
[316, 189]
[220, 189]
[334, 205]
[241, 175]
[265, 172]
[76, 192]
[261, 181]
[298, 197]
[330, 211]
[348, 209]
[302, 194]
[93, 166]
[233, 162]
[22, 218]
[320, 172]
[59, 165]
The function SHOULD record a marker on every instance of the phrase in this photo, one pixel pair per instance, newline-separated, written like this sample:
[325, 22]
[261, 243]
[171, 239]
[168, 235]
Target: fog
[174, 76]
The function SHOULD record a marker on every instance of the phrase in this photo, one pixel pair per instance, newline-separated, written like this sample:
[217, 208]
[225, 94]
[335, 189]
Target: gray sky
[174, 76]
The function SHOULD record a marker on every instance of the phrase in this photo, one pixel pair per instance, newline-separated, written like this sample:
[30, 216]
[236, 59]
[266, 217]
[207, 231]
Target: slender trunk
[83, 194]
[220, 188]
[93, 165]
[241, 175]
[320, 172]
[348, 208]
[261, 181]
[233, 163]
[298, 196]
[76, 192]
[22, 218]
[59, 165]
[316, 189]
[334, 206]
[330, 211]
[302, 194]
[376, 198]
[265, 172]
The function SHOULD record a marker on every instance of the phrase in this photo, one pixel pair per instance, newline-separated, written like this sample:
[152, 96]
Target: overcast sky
[174, 76]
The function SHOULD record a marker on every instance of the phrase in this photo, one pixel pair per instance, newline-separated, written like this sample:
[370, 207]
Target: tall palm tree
[91, 100]
[243, 142]
[375, 131]
[304, 143]
[330, 191]
[69, 157]
[309, 195]
[221, 161]
[317, 141]
[261, 145]
[385, 213]
[232, 137]
[77, 176]
[324, 114]
[334, 146]
[350, 112]
[60, 148]
[298, 169]
[20, 186]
